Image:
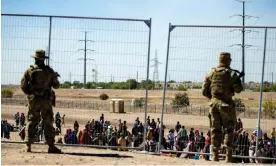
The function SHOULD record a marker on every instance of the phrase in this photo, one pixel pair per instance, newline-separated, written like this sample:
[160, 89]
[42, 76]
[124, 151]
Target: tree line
[128, 84]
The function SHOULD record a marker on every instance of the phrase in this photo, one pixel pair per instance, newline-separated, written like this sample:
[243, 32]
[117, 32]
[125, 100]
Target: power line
[85, 59]
[243, 45]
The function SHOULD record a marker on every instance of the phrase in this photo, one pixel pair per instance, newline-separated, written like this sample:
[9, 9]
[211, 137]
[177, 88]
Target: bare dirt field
[87, 156]
[155, 96]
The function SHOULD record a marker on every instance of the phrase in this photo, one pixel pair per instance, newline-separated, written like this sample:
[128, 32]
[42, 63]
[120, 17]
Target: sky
[121, 47]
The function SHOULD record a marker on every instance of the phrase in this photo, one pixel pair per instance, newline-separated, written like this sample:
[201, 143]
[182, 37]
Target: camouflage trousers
[222, 123]
[39, 108]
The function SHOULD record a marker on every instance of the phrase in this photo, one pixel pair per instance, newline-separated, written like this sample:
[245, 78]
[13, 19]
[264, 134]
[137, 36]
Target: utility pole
[70, 77]
[272, 78]
[243, 45]
[85, 59]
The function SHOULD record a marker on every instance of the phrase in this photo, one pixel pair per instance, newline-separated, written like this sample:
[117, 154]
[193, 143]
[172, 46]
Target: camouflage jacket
[36, 80]
[233, 85]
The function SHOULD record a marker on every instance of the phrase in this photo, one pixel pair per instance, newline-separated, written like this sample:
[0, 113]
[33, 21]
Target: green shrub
[238, 102]
[269, 108]
[7, 93]
[266, 88]
[138, 103]
[104, 96]
[196, 87]
[180, 100]
[182, 88]
[240, 107]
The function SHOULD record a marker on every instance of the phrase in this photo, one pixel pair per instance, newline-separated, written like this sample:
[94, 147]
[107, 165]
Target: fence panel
[92, 55]
[21, 35]
[193, 51]
[268, 114]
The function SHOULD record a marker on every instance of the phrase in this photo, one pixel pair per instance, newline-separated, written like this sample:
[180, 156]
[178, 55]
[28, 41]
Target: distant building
[76, 82]
[174, 86]
[197, 85]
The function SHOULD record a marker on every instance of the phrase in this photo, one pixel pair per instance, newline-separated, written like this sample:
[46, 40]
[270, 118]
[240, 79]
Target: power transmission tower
[243, 45]
[137, 76]
[85, 59]
[155, 72]
[95, 73]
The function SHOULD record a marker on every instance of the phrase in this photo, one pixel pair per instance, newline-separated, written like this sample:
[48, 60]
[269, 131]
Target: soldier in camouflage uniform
[37, 84]
[219, 86]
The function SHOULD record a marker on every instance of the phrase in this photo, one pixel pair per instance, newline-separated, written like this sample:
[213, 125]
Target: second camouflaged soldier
[37, 84]
[220, 85]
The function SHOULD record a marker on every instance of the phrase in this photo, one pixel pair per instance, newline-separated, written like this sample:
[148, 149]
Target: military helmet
[40, 54]
[225, 58]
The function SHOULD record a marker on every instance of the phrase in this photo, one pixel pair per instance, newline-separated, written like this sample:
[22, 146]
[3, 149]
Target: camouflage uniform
[220, 85]
[37, 84]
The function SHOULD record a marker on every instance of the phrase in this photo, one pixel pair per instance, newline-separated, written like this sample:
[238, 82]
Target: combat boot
[228, 158]
[54, 149]
[28, 148]
[215, 156]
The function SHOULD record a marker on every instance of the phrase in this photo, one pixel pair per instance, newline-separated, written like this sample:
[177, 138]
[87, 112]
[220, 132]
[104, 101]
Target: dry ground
[155, 96]
[87, 156]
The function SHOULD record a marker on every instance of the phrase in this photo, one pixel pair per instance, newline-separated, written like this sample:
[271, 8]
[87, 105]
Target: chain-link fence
[91, 54]
[193, 51]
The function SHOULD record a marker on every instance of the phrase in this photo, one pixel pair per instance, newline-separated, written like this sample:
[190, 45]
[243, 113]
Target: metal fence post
[261, 95]
[49, 42]
[164, 89]
[149, 23]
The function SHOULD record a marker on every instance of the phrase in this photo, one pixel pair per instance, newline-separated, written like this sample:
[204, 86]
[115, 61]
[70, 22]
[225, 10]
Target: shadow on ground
[97, 155]
[89, 154]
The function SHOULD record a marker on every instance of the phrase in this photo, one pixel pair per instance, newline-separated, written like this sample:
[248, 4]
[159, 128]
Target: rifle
[241, 74]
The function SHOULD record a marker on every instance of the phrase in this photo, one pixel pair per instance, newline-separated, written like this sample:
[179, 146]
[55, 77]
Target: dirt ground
[189, 121]
[155, 96]
[87, 156]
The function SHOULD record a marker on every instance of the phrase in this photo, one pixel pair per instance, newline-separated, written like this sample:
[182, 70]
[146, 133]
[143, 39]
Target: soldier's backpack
[40, 79]
[221, 81]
